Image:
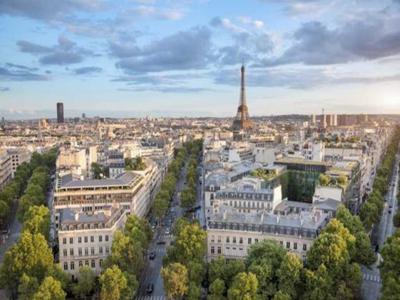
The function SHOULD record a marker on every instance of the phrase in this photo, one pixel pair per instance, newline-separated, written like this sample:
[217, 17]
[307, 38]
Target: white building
[85, 238]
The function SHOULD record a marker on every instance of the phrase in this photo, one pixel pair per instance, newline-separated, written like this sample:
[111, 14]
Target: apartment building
[5, 168]
[85, 237]
[18, 156]
[231, 234]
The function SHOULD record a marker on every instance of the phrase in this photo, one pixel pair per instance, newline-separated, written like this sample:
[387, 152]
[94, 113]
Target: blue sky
[182, 57]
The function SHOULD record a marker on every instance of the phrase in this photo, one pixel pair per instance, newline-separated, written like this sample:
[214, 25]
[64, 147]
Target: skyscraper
[60, 112]
[242, 121]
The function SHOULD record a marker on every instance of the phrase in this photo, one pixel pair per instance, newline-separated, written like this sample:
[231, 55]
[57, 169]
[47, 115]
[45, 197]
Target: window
[92, 239]
[86, 263]
[219, 239]
[304, 247]
[249, 241]
[64, 241]
[72, 265]
[71, 240]
[295, 246]
[65, 266]
[93, 263]
[86, 239]
[86, 251]
[255, 240]
[71, 251]
[106, 238]
[219, 250]
[227, 239]
[240, 240]
[287, 245]
[100, 238]
[65, 253]
[281, 242]
[212, 250]
[80, 264]
[101, 250]
[79, 239]
[92, 250]
[234, 239]
[212, 239]
[80, 251]
[100, 262]
[107, 250]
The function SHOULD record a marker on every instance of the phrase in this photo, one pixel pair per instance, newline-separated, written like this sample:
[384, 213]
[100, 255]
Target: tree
[176, 280]
[342, 180]
[391, 288]
[159, 207]
[217, 290]
[113, 284]
[37, 220]
[244, 287]
[289, 275]
[86, 283]
[50, 289]
[138, 230]
[318, 284]
[126, 253]
[27, 287]
[30, 255]
[188, 197]
[324, 180]
[396, 219]
[369, 214]
[281, 296]
[190, 244]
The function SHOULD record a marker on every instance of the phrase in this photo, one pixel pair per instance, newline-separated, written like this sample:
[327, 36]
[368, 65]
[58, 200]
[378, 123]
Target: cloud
[171, 89]
[183, 50]
[295, 78]
[4, 89]
[8, 73]
[28, 47]
[247, 45]
[366, 38]
[248, 20]
[64, 53]
[48, 9]
[17, 66]
[87, 70]
[158, 13]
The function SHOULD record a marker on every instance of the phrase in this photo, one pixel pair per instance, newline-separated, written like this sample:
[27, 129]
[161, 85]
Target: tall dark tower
[60, 112]
[242, 121]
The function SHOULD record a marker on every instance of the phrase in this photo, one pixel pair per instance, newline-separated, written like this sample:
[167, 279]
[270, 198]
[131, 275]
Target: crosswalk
[151, 298]
[371, 277]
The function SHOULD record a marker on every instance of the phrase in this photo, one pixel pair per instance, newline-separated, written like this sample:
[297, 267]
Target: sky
[132, 58]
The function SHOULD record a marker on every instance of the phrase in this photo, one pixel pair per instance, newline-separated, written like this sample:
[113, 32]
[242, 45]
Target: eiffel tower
[242, 121]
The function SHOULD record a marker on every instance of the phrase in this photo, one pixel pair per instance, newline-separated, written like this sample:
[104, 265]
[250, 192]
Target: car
[167, 231]
[160, 242]
[390, 211]
[150, 288]
[152, 255]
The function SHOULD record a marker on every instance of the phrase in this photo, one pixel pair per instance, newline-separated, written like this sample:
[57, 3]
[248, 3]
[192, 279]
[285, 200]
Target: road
[371, 285]
[151, 274]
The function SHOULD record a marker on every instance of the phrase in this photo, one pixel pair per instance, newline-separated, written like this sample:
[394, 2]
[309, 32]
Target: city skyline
[182, 58]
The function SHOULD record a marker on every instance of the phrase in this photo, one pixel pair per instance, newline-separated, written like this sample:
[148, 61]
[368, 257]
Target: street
[161, 241]
[371, 286]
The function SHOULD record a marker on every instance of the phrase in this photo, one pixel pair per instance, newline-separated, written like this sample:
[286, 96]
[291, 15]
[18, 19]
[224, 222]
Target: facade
[18, 156]
[230, 233]
[5, 168]
[85, 238]
[60, 112]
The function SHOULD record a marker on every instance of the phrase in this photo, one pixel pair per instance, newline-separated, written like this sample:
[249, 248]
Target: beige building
[5, 168]
[18, 156]
[85, 238]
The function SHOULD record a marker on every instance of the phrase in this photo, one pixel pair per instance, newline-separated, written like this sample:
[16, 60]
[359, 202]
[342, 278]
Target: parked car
[150, 288]
[152, 255]
[161, 243]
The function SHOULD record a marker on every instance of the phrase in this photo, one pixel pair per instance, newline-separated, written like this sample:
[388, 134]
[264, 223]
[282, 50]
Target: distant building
[5, 168]
[60, 112]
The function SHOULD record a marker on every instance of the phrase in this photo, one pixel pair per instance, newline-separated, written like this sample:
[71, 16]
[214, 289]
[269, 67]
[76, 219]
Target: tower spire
[242, 120]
